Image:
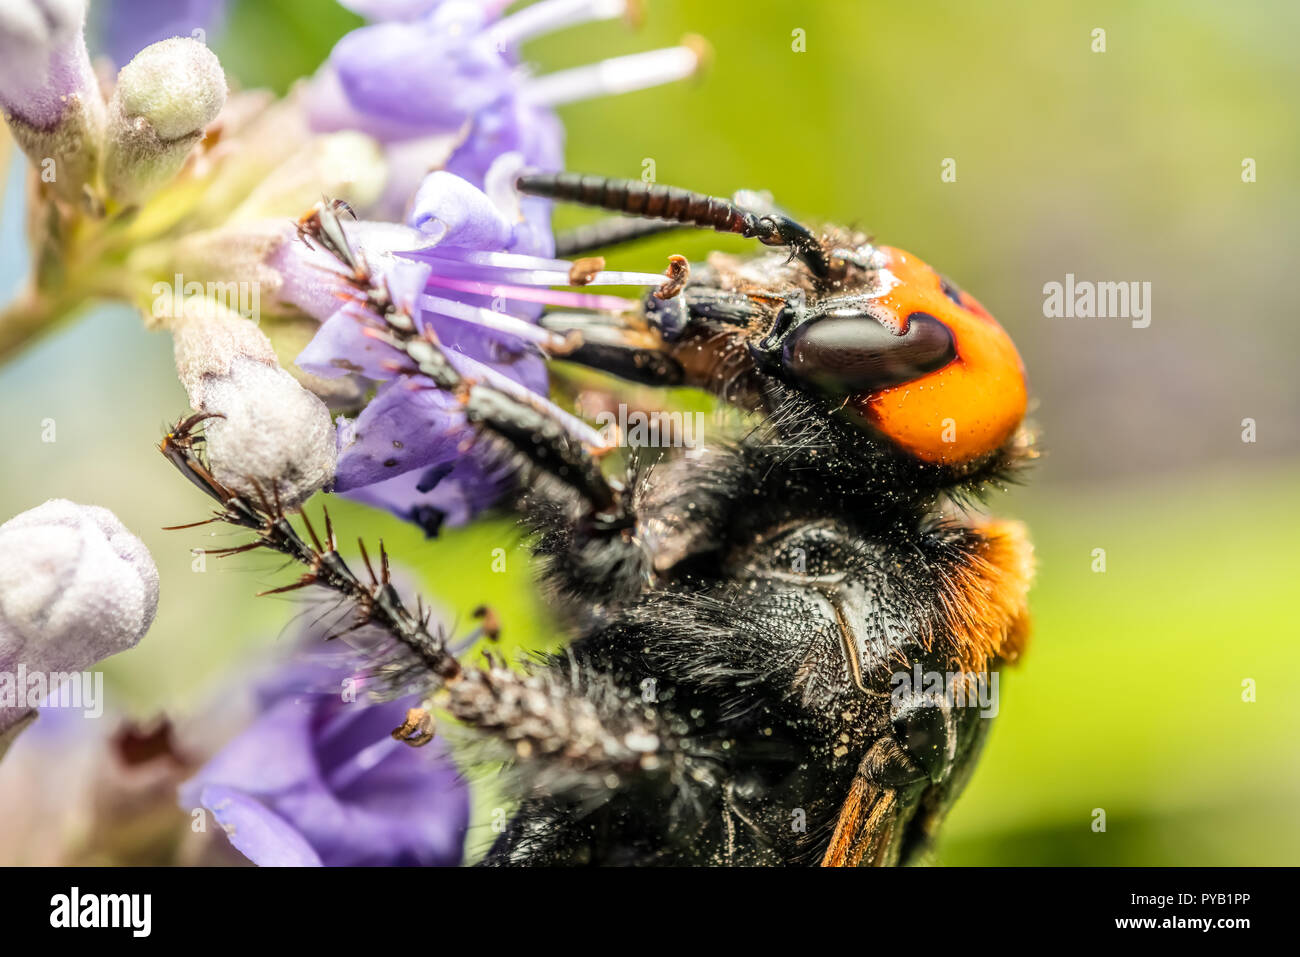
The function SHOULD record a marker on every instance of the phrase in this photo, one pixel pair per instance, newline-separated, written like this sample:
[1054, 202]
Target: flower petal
[341, 346]
[509, 125]
[256, 831]
[448, 494]
[404, 427]
[379, 10]
[459, 214]
[272, 756]
[420, 73]
[318, 778]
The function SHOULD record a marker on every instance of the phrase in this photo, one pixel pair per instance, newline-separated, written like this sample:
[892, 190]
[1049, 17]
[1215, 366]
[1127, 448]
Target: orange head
[910, 356]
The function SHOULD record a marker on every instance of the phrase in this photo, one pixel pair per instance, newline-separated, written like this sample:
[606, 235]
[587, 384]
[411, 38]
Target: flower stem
[31, 315]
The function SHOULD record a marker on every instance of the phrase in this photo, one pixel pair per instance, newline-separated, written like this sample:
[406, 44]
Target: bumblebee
[748, 619]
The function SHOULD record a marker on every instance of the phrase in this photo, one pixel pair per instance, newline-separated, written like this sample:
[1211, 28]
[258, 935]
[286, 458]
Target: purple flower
[44, 69]
[443, 81]
[317, 779]
[125, 27]
[475, 273]
[442, 85]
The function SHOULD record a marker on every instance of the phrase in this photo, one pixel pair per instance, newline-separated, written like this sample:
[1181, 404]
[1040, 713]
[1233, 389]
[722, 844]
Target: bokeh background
[1117, 166]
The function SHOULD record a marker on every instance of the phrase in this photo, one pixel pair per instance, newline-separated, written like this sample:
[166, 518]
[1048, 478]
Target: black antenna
[651, 200]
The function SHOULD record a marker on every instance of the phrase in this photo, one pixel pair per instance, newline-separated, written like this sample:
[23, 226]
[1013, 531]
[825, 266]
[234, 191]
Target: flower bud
[75, 587]
[48, 91]
[273, 436]
[164, 100]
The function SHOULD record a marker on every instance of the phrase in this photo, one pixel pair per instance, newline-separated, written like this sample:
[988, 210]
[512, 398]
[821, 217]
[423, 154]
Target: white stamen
[617, 278]
[558, 277]
[491, 319]
[513, 260]
[549, 16]
[610, 77]
[552, 297]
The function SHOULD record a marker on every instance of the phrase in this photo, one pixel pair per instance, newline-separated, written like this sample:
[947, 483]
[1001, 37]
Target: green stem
[30, 316]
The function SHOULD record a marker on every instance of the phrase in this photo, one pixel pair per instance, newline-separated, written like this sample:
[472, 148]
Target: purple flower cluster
[444, 78]
[468, 271]
[474, 262]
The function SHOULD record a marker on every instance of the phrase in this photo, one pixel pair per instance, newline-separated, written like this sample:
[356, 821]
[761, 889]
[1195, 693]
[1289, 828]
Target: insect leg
[608, 344]
[551, 720]
[531, 424]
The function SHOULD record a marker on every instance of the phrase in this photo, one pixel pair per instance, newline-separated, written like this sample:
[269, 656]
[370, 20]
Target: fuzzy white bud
[273, 434]
[164, 100]
[75, 587]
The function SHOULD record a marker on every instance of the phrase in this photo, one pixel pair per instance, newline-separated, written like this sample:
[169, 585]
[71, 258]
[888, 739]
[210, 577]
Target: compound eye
[848, 352]
[950, 290]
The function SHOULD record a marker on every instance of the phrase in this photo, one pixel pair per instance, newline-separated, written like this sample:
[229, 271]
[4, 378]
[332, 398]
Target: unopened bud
[48, 91]
[75, 587]
[164, 100]
[273, 437]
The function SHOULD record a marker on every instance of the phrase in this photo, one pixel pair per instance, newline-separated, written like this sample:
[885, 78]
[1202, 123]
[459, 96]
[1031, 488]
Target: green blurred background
[1115, 166]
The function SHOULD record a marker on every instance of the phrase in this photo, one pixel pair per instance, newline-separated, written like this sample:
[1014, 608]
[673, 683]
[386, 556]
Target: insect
[748, 620]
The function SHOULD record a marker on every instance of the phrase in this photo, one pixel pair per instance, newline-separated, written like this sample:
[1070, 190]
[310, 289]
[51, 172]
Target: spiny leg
[603, 550]
[530, 424]
[562, 726]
